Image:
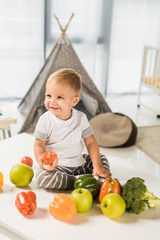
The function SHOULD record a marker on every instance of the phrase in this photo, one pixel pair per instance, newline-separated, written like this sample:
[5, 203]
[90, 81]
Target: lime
[21, 175]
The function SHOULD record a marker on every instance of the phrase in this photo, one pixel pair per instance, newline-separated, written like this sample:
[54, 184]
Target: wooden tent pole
[69, 22]
[59, 23]
[63, 29]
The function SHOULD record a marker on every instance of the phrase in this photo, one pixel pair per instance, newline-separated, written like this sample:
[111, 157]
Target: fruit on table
[63, 207]
[21, 175]
[1, 180]
[109, 186]
[26, 203]
[49, 157]
[27, 160]
[89, 182]
[113, 205]
[83, 199]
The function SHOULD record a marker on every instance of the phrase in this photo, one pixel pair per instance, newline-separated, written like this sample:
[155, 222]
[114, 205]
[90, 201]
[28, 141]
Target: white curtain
[22, 39]
[20, 45]
[135, 23]
[84, 31]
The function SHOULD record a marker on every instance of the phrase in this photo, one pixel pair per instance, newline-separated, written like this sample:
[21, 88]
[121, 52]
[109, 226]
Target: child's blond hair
[69, 76]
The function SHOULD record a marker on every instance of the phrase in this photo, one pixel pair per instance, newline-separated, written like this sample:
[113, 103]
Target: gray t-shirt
[64, 137]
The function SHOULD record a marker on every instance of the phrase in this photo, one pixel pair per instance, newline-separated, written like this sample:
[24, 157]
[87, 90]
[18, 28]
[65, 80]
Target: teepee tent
[62, 56]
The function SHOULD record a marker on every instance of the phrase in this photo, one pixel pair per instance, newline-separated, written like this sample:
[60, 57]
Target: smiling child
[61, 129]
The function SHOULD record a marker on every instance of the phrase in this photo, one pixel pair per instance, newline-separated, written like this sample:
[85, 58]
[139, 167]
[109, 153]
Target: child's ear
[75, 100]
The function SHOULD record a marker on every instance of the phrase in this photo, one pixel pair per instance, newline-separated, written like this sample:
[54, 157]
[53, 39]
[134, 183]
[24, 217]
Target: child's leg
[105, 162]
[59, 178]
[87, 167]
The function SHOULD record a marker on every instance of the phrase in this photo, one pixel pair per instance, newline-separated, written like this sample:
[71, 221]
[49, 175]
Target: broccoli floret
[137, 196]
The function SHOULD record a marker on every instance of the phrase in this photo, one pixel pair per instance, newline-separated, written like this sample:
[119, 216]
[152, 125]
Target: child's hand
[48, 167]
[102, 172]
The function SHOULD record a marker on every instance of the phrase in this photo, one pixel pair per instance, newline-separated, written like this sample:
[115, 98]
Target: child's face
[59, 99]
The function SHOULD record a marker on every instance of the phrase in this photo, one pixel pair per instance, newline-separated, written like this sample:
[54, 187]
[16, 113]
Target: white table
[6, 119]
[91, 225]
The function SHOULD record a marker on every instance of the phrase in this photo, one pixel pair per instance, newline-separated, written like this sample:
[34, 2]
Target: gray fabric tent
[62, 56]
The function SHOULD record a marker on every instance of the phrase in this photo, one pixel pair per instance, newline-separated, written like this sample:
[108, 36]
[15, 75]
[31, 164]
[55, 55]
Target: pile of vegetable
[134, 192]
[114, 199]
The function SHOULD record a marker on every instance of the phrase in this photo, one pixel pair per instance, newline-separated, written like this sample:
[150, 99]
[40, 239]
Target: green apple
[21, 175]
[113, 205]
[83, 199]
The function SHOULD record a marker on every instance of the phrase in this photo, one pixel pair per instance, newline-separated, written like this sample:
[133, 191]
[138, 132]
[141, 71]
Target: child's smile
[60, 98]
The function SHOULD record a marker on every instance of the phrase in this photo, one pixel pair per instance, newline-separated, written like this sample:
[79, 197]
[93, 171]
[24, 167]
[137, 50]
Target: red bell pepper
[49, 157]
[109, 186]
[26, 203]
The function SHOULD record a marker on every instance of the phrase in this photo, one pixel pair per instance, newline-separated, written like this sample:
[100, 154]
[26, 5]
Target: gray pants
[64, 177]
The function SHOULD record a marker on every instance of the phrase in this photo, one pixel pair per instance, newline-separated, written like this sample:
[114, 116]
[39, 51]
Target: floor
[145, 115]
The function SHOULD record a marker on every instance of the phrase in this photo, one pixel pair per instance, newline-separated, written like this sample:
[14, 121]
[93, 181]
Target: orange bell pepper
[109, 186]
[63, 207]
[1, 179]
[49, 157]
[26, 203]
